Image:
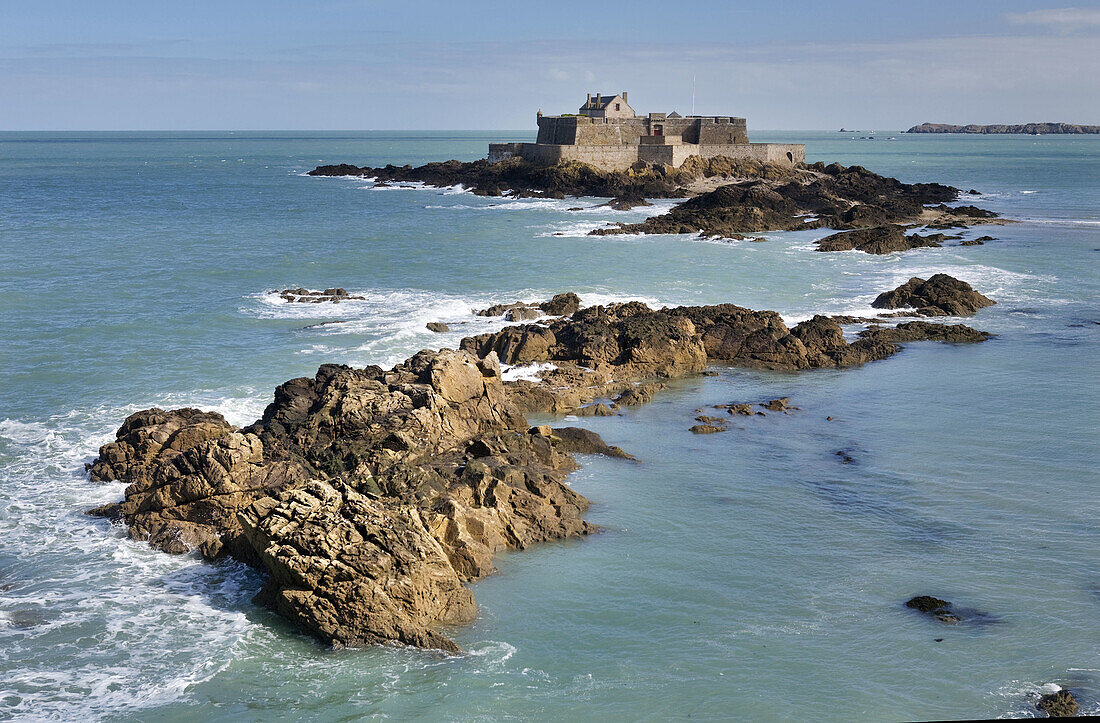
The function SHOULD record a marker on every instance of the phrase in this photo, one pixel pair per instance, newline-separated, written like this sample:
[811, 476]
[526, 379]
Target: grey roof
[599, 102]
[674, 114]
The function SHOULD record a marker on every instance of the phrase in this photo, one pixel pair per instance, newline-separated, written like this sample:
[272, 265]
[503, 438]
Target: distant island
[1027, 128]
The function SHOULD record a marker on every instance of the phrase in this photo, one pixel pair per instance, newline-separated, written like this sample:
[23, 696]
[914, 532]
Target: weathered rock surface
[940, 295]
[438, 327]
[1061, 704]
[369, 496]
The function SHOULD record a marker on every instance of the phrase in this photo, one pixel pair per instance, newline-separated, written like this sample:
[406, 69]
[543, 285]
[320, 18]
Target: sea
[751, 575]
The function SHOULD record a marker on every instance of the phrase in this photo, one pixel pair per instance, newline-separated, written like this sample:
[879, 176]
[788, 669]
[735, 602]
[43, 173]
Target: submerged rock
[940, 295]
[939, 609]
[307, 296]
[1061, 704]
[925, 331]
[706, 429]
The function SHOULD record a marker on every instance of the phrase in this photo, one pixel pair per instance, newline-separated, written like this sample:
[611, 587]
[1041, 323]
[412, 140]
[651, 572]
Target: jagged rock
[939, 609]
[438, 327]
[975, 241]
[777, 405]
[562, 304]
[706, 429]
[940, 295]
[369, 496]
[878, 240]
[718, 421]
[1061, 704]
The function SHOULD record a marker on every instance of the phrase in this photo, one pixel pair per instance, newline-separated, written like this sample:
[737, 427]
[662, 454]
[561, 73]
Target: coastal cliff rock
[940, 295]
[370, 497]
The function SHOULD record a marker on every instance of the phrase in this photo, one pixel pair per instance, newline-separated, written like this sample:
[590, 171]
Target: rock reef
[808, 197]
[370, 496]
[940, 295]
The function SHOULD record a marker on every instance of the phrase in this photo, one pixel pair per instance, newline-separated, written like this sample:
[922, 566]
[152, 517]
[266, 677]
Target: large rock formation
[940, 295]
[370, 496]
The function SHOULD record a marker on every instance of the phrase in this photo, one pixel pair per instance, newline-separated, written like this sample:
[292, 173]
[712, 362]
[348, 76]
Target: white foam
[528, 372]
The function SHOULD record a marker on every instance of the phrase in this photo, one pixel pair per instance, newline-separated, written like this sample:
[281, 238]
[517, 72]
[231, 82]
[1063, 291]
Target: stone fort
[608, 134]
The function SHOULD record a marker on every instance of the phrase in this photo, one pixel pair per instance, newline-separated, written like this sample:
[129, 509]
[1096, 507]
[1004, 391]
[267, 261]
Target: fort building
[607, 133]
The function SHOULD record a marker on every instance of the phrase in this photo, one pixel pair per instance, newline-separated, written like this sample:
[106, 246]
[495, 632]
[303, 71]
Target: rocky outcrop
[1024, 128]
[940, 295]
[933, 606]
[876, 240]
[437, 326]
[370, 496]
[521, 178]
[1061, 704]
[816, 196]
[561, 305]
[308, 296]
[604, 350]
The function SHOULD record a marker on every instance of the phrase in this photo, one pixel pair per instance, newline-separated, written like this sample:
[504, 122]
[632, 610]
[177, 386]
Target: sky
[477, 64]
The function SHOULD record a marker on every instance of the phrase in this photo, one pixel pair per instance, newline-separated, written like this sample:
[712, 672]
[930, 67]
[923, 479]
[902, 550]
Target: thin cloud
[1061, 19]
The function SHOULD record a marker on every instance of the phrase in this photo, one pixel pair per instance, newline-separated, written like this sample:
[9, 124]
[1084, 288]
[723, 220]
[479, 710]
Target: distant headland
[1033, 129]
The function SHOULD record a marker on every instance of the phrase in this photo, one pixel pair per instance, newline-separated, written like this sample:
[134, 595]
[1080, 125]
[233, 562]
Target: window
[658, 130]
[616, 106]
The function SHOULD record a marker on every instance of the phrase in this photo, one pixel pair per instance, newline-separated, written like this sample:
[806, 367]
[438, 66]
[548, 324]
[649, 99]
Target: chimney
[624, 97]
[588, 100]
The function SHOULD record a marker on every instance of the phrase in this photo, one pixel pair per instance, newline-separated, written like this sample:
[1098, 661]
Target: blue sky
[392, 64]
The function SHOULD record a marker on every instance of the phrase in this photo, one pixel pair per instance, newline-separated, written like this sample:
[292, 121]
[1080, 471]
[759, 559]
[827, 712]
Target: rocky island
[370, 496]
[1022, 128]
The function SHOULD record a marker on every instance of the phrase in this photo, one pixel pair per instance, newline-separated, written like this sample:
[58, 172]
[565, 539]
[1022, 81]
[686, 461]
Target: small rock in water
[1062, 704]
[437, 326]
[937, 608]
[777, 405]
[706, 429]
[846, 458]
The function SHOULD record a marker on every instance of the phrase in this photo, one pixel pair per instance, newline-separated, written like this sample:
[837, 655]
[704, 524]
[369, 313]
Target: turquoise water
[746, 574]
